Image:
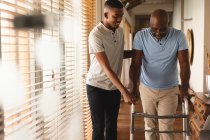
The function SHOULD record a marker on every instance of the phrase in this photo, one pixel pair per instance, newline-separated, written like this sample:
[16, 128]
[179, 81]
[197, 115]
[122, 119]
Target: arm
[135, 70]
[184, 72]
[103, 61]
[127, 54]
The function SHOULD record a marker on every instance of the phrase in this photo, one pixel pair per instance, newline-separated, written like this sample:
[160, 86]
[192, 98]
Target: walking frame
[184, 115]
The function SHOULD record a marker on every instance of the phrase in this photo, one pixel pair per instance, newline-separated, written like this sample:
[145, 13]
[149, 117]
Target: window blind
[89, 20]
[54, 103]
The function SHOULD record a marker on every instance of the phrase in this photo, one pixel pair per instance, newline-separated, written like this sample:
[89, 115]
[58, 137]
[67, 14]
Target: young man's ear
[105, 15]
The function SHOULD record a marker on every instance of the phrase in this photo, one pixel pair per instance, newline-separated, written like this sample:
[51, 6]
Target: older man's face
[159, 27]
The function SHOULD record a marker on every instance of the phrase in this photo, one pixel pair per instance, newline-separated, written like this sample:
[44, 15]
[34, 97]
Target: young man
[106, 43]
[156, 51]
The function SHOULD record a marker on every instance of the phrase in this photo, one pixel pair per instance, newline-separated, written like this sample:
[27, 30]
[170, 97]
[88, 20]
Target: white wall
[177, 14]
[145, 9]
[194, 19]
[207, 39]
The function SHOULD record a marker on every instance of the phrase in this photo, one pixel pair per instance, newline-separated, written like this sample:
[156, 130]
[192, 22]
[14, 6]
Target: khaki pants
[159, 102]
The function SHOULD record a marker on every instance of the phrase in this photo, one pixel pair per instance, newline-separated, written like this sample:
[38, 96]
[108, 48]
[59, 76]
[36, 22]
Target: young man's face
[114, 17]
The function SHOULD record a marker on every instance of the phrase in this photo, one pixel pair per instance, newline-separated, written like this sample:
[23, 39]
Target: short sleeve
[182, 41]
[137, 42]
[95, 43]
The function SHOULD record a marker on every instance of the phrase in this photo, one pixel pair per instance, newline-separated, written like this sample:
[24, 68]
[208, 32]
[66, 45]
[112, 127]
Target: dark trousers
[104, 107]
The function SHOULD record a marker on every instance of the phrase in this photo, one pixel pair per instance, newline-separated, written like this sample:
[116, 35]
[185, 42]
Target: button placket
[114, 38]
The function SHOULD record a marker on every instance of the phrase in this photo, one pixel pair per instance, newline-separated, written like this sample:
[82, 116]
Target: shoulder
[177, 33]
[143, 32]
[180, 37]
[98, 28]
[120, 30]
[97, 31]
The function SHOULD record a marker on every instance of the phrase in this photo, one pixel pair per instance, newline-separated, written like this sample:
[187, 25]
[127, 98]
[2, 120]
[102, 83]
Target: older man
[156, 52]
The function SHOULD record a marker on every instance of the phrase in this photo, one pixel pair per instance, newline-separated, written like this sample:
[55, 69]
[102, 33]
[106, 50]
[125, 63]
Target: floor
[124, 123]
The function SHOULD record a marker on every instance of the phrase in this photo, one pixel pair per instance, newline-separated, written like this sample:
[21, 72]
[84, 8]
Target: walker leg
[183, 122]
[132, 127]
[185, 110]
[132, 122]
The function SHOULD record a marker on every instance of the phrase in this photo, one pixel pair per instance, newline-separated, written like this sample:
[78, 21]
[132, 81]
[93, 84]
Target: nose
[119, 19]
[158, 33]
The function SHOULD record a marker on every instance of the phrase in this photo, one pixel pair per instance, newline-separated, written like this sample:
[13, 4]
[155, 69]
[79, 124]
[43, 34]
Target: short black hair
[113, 4]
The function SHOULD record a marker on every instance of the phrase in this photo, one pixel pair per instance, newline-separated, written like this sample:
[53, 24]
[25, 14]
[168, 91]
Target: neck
[108, 26]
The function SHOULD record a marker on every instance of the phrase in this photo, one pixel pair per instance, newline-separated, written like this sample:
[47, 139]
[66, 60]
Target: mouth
[117, 24]
[158, 36]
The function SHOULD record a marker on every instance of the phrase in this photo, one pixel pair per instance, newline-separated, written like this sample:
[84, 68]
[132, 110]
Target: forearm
[135, 69]
[185, 77]
[184, 69]
[115, 80]
[103, 61]
[134, 75]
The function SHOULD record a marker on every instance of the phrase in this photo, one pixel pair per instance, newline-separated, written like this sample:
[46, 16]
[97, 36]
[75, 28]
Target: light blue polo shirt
[159, 62]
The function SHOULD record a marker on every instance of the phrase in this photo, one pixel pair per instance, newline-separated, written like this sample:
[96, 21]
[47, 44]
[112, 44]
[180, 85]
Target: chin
[158, 38]
[116, 26]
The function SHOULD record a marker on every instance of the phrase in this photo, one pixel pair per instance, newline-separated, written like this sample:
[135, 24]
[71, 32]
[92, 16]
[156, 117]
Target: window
[47, 98]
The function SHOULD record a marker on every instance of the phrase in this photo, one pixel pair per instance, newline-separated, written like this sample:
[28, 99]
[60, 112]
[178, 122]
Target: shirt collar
[164, 38]
[106, 29]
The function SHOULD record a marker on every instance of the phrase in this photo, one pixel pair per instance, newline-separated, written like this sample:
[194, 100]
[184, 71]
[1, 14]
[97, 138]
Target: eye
[115, 17]
[161, 30]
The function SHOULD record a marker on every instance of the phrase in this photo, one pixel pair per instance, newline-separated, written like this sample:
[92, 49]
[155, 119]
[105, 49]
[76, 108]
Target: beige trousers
[159, 102]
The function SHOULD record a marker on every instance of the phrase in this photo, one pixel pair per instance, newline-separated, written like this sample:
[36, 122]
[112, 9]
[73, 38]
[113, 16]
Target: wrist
[123, 91]
[184, 86]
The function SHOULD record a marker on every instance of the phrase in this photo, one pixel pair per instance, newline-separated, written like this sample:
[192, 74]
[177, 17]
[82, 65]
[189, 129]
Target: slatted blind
[54, 103]
[88, 14]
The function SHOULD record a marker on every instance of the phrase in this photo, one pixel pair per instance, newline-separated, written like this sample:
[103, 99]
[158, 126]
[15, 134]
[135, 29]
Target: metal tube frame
[184, 115]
